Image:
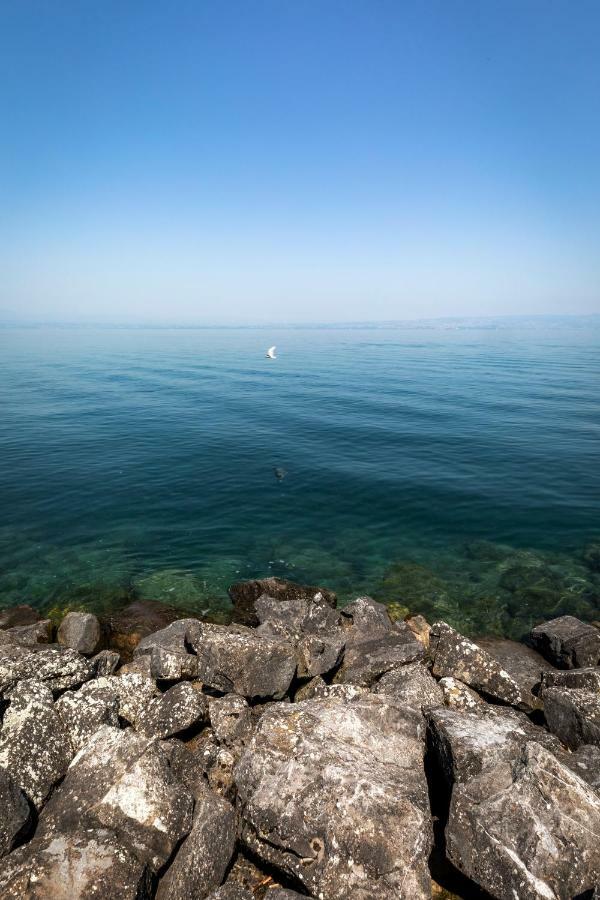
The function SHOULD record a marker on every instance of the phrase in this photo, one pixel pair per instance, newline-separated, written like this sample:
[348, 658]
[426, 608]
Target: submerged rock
[333, 793]
[28, 635]
[13, 616]
[567, 642]
[244, 595]
[137, 620]
[80, 631]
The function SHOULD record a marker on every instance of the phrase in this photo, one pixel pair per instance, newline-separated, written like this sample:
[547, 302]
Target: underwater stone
[128, 626]
[567, 642]
[334, 794]
[591, 556]
[28, 635]
[80, 631]
[573, 714]
[244, 595]
[455, 656]
[14, 812]
[13, 616]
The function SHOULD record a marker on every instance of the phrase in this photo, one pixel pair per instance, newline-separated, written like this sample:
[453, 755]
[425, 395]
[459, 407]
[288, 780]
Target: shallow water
[142, 461]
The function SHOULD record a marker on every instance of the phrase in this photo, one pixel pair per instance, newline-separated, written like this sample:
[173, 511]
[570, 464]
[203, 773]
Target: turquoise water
[447, 468]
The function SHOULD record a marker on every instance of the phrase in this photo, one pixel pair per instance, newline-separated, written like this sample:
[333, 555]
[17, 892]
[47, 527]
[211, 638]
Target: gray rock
[105, 662]
[567, 642]
[244, 594]
[80, 631]
[171, 650]
[588, 679]
[94, 865]
[122, 781]
[244, 662]
[84, 711]
[334, 794]
[58, 669]
[14, 812]
[527, 831]
[585, 762]
[524, 665]
[457, 695]
[28, 635]
[457, 657]
[230, 719]
[231, 891]
[411, 685]
[366, 660]
[573, 714]
[182, 707]
[34, 745]
[366, 617]
[135, 692]
[202, 859]
[221, 776]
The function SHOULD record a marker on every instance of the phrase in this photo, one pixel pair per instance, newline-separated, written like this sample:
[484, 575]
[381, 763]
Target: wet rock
[13, 616]
[244, 594]
[14, 812]
[411, 685]
[80, 631]
[244, 662]
[170, 650]
[530, 830]
[86, 866]
[202, 859]
[230, 719]
[468, 742]
[181, 707]
[34, 745]
[128, 626]
[59, 669]
[105, 662]
[28, 635]
[588, 679]
[567, 642]
[457, 657]
[333, 793]
[122, 780]
[524, 665]
[457, 695]
[83, 712]
[573, 714]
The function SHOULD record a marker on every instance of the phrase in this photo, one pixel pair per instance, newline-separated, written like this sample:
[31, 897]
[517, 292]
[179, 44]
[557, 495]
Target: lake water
[448, 469]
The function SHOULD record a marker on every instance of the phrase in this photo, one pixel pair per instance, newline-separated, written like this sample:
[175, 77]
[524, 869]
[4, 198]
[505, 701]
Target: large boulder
[529, 830]
[244, 662]
[80, 631]
[171, 650]
[525, 666]
[180, 708]
[122, 781]
[35, 748]
[567, 642]
[334, 793]
[75, 866]
[202, 859]
[84, 711]
[573, 714]
[588, 678]
[456, 656]
[411, 685]
[22, 614]
[457, 695]
[59, 669]
[244, 595]
[28, 635]
[14, 812]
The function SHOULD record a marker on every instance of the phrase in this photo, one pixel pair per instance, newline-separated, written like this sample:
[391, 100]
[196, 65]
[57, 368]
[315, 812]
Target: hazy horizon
[288, 163]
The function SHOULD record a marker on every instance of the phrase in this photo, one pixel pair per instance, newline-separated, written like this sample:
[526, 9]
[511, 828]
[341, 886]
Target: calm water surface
[423, 465]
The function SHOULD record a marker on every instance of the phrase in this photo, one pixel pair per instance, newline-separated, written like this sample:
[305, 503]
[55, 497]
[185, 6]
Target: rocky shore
[302, 750]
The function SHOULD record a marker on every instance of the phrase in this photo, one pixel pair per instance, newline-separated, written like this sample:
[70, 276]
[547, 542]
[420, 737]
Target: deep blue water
[143, 459]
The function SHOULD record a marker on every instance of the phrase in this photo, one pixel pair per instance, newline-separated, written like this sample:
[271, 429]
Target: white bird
[271, 353]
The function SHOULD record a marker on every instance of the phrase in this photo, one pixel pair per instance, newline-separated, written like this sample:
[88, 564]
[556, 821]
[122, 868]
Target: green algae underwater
[449, 470]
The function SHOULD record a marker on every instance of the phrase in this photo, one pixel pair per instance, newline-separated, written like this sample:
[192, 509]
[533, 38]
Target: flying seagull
[271, 353]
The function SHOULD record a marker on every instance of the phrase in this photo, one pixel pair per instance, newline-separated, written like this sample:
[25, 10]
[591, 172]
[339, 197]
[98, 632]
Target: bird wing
[271, 351]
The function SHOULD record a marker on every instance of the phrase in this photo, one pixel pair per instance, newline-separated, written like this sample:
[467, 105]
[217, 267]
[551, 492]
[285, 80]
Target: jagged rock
[94, 865]
[567, 642]
[457, 657]
[310, 689]
[34, 744]
[365, 619]
[58, 669]
[202, 859]
[122, 781]
[525, 666]
[469, 742]
[14, 812]
[411, 685]
[230, 719]
[135, 692]
[28, 635]
[105, 662]
[128, 626]
[141, 665]
[205, 747]
[319, 689]
[187, 766]
[221, 776]
[22, 614]
[573, 714]
[585, 762]
[80, 631]
[457, 695]
[312, 626]
[244, 594]
[366, 660]
[529, 830]
[170, 650]
[84, 711]
[244, 662]
[181, 707]
[588, 679]
[420, 627]
[333, 793]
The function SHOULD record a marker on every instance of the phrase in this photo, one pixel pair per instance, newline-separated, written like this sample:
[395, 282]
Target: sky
[298, 160]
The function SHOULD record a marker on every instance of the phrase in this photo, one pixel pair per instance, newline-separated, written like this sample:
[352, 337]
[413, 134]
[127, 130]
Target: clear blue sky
[299, 159]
